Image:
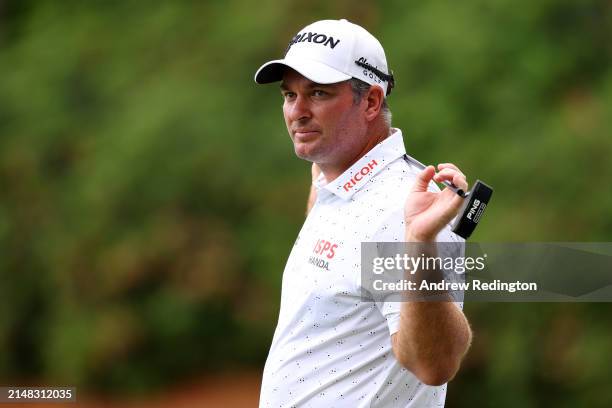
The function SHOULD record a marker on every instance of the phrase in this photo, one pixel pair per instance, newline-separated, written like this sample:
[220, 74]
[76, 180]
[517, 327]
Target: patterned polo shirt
[330, 347]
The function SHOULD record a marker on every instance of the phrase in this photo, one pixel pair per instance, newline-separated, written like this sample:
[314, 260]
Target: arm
[312, 197]
[433, 336]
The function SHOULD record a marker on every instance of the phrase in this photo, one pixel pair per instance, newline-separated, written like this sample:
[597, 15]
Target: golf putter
[474, 203]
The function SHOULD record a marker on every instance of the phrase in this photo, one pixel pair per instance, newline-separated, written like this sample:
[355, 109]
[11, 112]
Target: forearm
[434, 335]
[432, 339]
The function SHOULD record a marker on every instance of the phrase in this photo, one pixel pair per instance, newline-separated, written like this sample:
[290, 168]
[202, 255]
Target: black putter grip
[472, 210]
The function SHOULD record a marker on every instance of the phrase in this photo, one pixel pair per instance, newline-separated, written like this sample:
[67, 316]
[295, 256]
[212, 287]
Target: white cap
[330, 51]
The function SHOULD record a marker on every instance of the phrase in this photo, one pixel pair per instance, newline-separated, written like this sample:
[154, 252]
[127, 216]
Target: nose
[299, 109]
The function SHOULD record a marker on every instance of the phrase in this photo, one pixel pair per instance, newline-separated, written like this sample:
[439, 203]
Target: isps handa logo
[324, 252]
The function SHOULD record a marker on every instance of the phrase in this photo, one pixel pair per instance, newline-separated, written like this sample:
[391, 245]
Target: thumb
[423, 179]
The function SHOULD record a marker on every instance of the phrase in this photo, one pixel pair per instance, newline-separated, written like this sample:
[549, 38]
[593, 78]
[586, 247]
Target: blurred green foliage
[149, 194]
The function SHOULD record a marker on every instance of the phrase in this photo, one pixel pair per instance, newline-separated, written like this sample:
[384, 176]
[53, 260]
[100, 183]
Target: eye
[319, 93]
[288, 95]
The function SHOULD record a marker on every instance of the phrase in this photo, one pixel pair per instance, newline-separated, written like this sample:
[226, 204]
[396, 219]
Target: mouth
[303, 134]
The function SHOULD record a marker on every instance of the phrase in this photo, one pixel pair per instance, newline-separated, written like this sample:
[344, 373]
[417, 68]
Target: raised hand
[425, 212]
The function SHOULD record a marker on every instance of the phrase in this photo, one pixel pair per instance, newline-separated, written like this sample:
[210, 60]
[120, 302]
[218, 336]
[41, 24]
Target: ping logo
[316, 38]
[360, 174]
[473, 209]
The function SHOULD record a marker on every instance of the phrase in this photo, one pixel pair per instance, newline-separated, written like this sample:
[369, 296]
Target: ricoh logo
[317, 38]
[473, 209]
[360, 174]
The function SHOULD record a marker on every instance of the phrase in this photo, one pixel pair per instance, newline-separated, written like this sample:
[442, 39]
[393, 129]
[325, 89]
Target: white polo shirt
[330, 348]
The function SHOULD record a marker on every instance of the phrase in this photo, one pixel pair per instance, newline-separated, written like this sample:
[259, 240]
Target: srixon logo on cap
[317, 38]
[360, 174]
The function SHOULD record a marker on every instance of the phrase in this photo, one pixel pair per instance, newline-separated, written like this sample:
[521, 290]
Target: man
[330, 347]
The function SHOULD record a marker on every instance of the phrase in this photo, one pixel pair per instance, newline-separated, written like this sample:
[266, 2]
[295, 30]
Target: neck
[334, 170]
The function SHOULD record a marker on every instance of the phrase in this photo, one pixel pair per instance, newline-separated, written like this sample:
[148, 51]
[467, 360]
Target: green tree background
[149, 194]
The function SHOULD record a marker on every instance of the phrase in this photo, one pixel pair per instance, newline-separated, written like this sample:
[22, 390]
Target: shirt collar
[362, 171]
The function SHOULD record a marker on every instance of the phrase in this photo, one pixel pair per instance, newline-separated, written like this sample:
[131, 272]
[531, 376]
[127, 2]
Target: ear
[374, 99]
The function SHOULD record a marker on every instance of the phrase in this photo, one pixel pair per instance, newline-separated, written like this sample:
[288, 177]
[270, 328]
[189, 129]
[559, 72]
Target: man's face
[323, 122]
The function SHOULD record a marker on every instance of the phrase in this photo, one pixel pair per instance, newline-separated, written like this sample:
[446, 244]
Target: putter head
[472, 210]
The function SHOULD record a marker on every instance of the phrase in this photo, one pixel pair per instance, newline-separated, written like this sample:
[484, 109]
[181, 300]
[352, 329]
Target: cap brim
[318, 72]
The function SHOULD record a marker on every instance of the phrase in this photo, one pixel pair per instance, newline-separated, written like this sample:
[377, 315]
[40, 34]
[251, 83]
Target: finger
[423, 179]
[460, 182]
[442, 166]
[452, 176]
[448, 174]
[445, 174]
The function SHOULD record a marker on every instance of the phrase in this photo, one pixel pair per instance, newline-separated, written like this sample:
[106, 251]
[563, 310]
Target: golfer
[331, 348]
